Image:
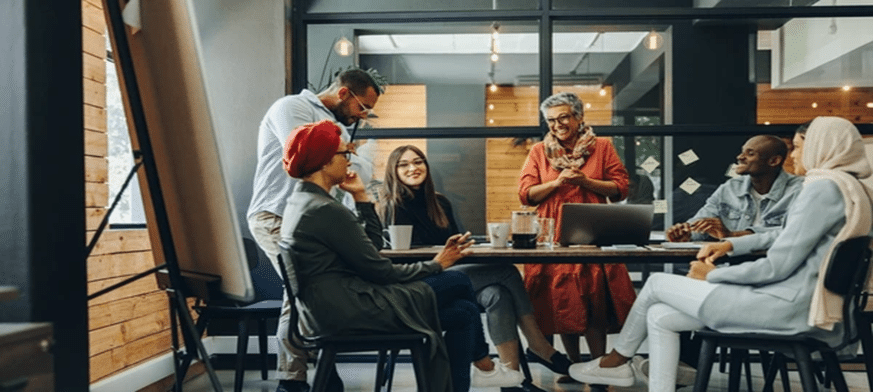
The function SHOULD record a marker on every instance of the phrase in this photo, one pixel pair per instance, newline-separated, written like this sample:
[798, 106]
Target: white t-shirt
[756, 198]
[272, 185]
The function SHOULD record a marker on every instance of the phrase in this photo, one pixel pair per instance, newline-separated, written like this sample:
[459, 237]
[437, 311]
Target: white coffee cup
[498, 234]
[400, 236]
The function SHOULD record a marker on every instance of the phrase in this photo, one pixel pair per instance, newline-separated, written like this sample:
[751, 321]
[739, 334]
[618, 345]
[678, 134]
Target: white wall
[244, 58]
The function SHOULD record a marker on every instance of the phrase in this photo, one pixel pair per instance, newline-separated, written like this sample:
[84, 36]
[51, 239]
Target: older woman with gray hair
[572, 165]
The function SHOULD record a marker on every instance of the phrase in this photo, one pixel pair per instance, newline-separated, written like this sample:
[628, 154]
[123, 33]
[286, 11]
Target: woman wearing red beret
[348, 288]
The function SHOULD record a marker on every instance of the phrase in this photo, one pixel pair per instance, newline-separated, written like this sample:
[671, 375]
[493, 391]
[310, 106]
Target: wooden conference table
[483, 254]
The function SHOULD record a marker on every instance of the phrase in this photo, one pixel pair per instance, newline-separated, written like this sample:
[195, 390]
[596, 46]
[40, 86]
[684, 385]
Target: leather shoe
[591, 373]
[558, 363]
[292, 386]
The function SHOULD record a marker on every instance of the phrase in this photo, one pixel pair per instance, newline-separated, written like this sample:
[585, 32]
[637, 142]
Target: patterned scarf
[558, 156]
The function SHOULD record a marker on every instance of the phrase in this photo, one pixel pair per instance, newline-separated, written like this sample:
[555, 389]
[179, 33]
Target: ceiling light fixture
[847, 88]
[814, 105]
[870, 105]
[653, 41]
[344, 47]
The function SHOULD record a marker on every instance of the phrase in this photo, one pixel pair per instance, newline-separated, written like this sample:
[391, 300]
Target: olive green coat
[346, 287]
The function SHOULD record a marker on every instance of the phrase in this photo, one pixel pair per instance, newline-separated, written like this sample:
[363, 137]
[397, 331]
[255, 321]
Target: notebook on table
[605, 224]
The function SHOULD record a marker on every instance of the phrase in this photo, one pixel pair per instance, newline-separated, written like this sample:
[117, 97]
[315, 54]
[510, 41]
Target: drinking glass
[546, 233]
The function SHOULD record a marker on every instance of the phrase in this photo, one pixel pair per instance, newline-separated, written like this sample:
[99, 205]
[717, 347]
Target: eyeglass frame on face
[417, 162]
[363, 107]
[563, 119]
[347, 154]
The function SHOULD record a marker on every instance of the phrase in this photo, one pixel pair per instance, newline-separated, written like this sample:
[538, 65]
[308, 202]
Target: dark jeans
[461, 322]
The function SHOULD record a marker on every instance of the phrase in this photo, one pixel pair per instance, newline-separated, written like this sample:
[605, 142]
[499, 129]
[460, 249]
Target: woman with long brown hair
[408, 197]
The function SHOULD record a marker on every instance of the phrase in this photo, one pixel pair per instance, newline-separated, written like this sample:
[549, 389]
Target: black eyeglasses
[363, 108]
[563, 119]
[346, 153]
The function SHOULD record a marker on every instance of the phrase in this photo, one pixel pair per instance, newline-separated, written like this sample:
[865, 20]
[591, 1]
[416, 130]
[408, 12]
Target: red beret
[309, 147]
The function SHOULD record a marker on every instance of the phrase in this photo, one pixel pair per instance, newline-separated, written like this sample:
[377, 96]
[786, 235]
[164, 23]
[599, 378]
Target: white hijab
[833, 150]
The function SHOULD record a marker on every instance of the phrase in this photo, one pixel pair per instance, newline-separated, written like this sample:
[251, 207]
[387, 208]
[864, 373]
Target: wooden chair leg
[323, 368]
[737, 357]
[420, 365]
[389, 368]
[867, 345]
[834, 372]
[522, 361]
[704, 364]
[242, 344]
[770, 369]
[380, 370]
[806, 368]
[262, 346]
[747, 366]
[783, 374]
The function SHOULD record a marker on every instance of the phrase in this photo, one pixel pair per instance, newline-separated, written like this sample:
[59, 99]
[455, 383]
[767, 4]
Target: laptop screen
[605, 224]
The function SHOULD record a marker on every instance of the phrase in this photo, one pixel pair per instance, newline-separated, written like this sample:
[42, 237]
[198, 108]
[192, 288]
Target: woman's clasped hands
[706, 257]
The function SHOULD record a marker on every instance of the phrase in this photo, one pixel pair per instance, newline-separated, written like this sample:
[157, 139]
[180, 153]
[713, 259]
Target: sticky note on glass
[688, 157]
[689, 186]
[660, 206]
[732, 171]
[650, 164]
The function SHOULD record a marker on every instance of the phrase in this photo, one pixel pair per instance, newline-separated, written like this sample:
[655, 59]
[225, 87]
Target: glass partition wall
[677, 88]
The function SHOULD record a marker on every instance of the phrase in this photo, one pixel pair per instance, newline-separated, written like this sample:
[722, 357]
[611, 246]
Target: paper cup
[401, 236]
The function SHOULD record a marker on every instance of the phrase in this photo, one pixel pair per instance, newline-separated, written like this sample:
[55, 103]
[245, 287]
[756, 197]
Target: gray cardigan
[773, 294]
[347, 287]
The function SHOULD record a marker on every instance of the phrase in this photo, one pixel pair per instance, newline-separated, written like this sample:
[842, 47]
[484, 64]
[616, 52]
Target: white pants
[290, 361]
[668, 304]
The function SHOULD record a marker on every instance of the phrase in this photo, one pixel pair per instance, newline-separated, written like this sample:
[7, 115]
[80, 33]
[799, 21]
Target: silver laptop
[605, 224]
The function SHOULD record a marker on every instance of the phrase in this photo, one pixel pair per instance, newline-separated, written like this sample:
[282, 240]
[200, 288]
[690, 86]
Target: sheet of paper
[689, 186]
[650, 164]
[660, 206]
[688, 157]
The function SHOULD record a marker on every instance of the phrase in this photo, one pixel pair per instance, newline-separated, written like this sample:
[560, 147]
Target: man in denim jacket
[755, 201]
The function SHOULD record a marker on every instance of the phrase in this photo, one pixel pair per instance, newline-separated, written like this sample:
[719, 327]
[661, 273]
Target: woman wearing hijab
[408, 197]
[781, 293]
[346, 287]
[572, 165]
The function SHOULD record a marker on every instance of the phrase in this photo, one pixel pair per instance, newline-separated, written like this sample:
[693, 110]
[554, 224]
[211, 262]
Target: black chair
[260, 311]
[331, 345]
[846, 276]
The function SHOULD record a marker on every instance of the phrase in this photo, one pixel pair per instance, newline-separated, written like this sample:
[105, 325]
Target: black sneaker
[558, 363]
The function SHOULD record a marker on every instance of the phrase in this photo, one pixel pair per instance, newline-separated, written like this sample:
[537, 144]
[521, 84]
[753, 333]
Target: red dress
[564, 296]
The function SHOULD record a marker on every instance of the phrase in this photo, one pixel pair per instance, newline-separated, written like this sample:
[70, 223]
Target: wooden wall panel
[129, 325]
[96, 169]
[95, 118]
[96, 144]
[400, 106]
[797, 106]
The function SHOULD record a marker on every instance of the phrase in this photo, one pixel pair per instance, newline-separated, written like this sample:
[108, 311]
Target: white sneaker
[684, 376]
[500, 376]
[591, 373]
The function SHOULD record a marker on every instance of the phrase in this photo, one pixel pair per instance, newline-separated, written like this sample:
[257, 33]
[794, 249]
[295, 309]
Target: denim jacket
[733, 204]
